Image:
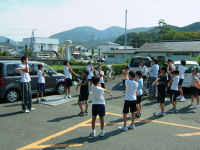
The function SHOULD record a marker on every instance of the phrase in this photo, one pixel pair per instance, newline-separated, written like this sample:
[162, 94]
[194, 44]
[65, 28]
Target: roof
[109, 43]
[120, 52]
[170, 46]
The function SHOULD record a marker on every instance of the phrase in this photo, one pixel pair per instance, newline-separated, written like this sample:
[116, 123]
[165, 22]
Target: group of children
[169, 79]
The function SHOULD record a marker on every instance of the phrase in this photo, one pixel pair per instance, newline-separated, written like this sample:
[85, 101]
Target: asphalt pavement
[58, 127]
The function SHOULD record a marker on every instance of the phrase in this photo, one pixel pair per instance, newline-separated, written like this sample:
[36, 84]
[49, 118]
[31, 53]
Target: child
[139, 93]
[181, 69]
[144, 70]
[84, 93]
[90, 69]
[68, 79]
[100, 73]
[41, 83]
[98, 105]
[174, 90]
[130, 101]
[125, 75]
[162, 87]
[194, 90]
[25, 85]
[153, 76]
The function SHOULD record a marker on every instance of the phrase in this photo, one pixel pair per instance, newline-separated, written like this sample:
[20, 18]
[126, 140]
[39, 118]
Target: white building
[42, 44]
[110, 46]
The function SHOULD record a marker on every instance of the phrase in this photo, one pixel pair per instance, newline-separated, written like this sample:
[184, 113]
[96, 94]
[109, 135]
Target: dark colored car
[10, 80]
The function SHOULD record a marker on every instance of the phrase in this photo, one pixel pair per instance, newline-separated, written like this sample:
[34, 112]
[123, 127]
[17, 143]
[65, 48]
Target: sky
[19, 17]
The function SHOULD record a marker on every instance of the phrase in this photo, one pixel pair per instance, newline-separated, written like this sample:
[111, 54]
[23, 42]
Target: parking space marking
[37, 144]
[188, 134]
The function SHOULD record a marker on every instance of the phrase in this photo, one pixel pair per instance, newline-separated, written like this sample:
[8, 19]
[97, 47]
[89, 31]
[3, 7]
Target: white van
[136, 61]
[188, 73]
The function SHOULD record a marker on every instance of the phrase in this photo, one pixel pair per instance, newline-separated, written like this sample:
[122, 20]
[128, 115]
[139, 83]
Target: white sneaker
[179, 97]
[190, 104]
[182, 99]
[26, 111]
[102, 133]
[69, 96]
[66, 96]
[197, 106]
[131, 126]
[123, 128]
[93, 133]
[32, 109]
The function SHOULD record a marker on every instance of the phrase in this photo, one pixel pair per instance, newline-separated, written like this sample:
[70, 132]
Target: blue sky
[19, 17]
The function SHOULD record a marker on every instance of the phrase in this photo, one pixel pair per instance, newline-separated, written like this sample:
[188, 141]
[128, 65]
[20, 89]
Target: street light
[67, 43]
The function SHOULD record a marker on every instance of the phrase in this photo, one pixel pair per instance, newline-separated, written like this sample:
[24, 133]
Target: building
[41, 44]
[110, 46]
[177, 50]
[118, 56]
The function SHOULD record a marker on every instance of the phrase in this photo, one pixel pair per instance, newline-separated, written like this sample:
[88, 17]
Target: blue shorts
[98, 109]
[180, 82]
[41, 87]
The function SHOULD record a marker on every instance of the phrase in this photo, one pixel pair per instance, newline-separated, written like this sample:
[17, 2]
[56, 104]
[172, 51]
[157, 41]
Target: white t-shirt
[40, 77]
[154, 71]
[181, 69]
[175, 82]
[90, 72]
[143, 70]
[101, 78]
[97, 95]
[131, 87]
[67, 73]
[25, 77]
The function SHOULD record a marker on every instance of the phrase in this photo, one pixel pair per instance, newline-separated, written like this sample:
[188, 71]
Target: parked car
[188, 73]
[80, 58]
[136, 61]
[43, 56]
[10, 80]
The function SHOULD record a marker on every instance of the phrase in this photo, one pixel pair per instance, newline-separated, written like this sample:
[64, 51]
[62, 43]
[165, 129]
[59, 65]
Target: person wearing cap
[68, 79]
[41, 83]
[194, 90]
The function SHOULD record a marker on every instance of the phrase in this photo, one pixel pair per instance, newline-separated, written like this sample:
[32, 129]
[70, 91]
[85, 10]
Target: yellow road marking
[36, 145]
[188, 134]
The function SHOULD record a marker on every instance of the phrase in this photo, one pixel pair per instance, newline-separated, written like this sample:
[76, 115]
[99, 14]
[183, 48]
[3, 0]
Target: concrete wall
[117, 58]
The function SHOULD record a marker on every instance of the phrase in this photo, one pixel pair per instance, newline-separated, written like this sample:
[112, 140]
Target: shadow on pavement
[186, 110]
[13, 105]
[62, 118]
[86, 139]
[11, 114]
[118, 87]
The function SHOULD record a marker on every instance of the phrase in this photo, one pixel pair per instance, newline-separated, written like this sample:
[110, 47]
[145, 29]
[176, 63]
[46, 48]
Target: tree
[27, 51]
[99, 52]
[1, 52]
[92, 52]
[5, 53]
[163, 27]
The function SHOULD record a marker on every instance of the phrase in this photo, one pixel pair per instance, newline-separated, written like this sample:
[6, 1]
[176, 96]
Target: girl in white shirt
[41, 83]
[90, 70]
[68, 79]
[144, 71]
[100, 73]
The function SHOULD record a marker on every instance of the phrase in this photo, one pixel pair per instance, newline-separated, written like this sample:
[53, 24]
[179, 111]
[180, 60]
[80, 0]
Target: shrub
[117, 68]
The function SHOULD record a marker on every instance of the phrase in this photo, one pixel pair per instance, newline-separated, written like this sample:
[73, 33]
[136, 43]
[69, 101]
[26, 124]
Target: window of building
[111, 56]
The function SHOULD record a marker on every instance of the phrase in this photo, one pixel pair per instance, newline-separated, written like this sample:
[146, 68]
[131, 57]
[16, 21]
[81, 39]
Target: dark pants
[26, 95]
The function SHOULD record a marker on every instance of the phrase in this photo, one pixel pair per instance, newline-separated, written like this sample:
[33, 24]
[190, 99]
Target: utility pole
[125, 42]
[32, 41]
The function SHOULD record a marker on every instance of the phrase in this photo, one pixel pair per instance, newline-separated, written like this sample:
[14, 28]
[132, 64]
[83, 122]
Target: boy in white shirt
[100, 73]
[181, 69]
[41, 82]
[98, 104]
[130, 101]
[25, 85]
[90, 69]
[68, 79]
[174, 90]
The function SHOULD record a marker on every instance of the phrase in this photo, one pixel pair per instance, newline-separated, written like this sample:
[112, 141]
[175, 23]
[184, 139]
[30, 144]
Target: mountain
[4, 39]
[90, 35]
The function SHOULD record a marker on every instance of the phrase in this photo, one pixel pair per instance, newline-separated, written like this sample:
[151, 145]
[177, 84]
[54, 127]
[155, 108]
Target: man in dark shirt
[84, 93]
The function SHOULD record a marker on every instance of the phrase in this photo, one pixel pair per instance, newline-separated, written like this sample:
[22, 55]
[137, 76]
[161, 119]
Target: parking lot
[58, 126]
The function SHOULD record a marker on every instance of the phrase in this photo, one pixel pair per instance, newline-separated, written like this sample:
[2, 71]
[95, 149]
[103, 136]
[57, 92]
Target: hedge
[117, 68]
